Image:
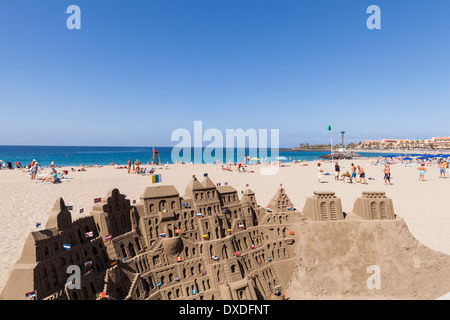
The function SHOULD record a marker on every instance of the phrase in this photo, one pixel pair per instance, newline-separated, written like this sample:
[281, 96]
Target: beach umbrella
[407, 158]
[255, 158]
[281, 158]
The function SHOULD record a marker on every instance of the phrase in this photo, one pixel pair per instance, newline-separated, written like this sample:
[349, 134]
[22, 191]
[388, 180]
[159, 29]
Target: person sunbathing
[48, 179]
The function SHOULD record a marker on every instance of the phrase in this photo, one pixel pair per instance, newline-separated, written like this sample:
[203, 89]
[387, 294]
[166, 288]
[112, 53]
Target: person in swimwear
[442, 167]
[422, 171]
[319, 172]
[387, 174]
[362, 175]
[353, 174]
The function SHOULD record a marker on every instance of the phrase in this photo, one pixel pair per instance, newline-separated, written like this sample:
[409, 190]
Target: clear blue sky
[137, 70]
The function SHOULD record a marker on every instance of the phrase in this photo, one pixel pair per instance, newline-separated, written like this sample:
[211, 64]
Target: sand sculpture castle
[206, 244]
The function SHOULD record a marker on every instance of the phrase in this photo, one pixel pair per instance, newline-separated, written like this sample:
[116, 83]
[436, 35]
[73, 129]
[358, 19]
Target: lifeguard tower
[155, 158]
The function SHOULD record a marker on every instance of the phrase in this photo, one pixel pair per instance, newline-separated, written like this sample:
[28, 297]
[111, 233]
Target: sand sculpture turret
[323, 206]
[374, 206]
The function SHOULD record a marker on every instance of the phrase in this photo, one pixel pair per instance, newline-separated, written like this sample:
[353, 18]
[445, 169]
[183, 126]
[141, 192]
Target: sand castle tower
[281, 202]
[374, 206]
[323, 206]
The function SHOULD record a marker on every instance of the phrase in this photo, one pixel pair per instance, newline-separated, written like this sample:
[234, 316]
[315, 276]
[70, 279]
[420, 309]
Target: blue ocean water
[74, 156]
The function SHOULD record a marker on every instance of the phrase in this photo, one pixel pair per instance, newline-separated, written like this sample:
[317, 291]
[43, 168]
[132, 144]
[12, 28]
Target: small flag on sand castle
[194, 291]
[288, 208]
[203, 272]
[101, 295]
[229, 230]
[179, 259]
[241, 226]
[144, 247]
[205, 174]
[205, 236]
[113, 262]
[30, 294]
[69, 207]
[199, 214]
[89, 234]
[162, 234]
[214, 258]
[268, 209]
[238, 253]
[156, 178]
[177, 278]
[177, 230]
[158, 284]
[38, 225]
[270, 258]
[87, 265]
[252, 246]
[108, 237]
[97, 200]
[66, 246]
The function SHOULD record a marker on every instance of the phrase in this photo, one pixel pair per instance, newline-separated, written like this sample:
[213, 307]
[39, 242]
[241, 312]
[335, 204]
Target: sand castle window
[152, 207]
[172, 205]
[162, 205]
[208, 194]
[137, 243]
[46, 251]
[131, 250]
[196, 196]
[213, 193]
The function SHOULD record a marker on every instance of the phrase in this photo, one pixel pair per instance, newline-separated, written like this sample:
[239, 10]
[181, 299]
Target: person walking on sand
[353, 174]
[362, 175]
[442, 167]
[337, 169]
[319, 172]
[129, 165]
[387, 174]
[422, 171]
[33, 171]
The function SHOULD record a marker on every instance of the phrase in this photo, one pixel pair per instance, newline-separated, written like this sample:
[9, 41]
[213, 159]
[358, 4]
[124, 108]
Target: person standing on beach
[319, 172]
[129, 166]
[362, 175]
[387, 174]
[442, 167]
[353, 174]
[337, 169]
[422, 171]
[33, 171]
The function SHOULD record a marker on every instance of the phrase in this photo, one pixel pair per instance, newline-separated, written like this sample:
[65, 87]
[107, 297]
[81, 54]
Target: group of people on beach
[358, 170]
[355, 171]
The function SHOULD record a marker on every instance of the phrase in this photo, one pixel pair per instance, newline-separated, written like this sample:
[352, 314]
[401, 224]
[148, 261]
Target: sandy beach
[24, 202]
